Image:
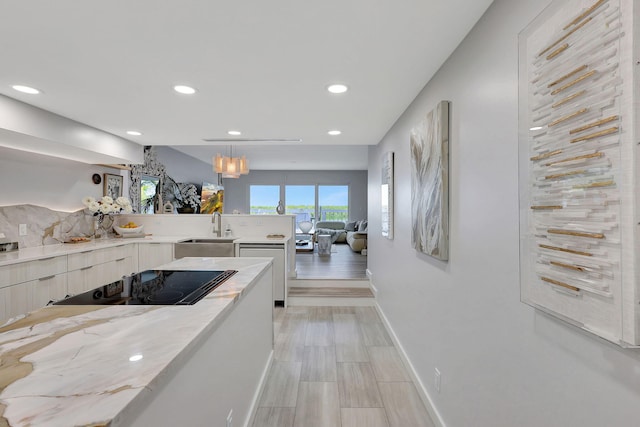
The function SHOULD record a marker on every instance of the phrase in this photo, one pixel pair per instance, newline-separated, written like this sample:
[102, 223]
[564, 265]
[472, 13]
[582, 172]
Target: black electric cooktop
[154, 287]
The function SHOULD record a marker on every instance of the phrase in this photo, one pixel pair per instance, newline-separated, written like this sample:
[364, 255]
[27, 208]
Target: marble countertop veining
[69, 365]
[39, 252]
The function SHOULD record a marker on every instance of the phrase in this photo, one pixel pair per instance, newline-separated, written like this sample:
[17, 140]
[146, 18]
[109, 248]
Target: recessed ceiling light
[135, 358]
[26, 89]
[234, 132]
[337, 88]
[134, 133]
[187, 90]
[536, 128]
[334, 132]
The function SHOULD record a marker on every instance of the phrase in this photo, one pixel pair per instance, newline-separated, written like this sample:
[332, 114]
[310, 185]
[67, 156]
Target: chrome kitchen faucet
[217, 223]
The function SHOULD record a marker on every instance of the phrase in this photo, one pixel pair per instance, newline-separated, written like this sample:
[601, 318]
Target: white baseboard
[374, 290]
[422, 391]
[258, 393]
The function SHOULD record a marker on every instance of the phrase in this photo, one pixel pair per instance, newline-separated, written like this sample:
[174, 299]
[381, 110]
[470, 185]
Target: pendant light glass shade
[230, 167]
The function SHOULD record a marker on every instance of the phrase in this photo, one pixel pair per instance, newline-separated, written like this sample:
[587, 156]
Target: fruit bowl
[128, 228]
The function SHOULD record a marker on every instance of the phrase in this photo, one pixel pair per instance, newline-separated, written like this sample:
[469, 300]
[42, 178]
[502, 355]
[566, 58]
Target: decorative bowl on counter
[121, 230]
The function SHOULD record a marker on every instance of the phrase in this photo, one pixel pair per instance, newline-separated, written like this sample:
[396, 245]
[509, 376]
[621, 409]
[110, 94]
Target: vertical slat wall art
[577, 182]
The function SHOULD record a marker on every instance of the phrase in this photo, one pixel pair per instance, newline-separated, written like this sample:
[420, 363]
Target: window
[307, 202]
[301, 202]
[333, 203]
[148, 189]
[263, 199]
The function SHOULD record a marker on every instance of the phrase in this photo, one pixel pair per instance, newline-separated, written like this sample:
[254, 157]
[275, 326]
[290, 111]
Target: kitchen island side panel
[224, 374]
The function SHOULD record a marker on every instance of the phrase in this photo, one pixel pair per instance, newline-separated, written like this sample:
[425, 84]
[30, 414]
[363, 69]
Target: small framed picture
[112, 185]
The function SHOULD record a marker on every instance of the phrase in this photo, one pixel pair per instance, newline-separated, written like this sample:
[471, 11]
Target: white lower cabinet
[30, 285]
[93, 276]
[277, 252]
[48, 289]
[24, 297]
[99, 256]
[25, 271]
[151, 255]
[27, 286]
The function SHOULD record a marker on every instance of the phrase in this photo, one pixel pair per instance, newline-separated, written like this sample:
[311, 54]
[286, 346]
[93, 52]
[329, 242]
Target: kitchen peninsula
[143, 365]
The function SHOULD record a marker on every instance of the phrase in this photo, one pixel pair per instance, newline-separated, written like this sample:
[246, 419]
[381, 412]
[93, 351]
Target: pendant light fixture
[230, 167]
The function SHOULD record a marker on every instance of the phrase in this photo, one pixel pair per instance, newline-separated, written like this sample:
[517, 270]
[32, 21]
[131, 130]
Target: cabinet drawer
[151, 255]
[32, 270]
[16, 300]
[98, 256]
[47, 289]
[28, 296]
[91, 277]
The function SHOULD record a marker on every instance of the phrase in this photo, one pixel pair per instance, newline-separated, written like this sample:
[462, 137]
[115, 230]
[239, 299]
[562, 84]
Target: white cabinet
[151, 255]
[31, 270]
[97, 267]
[277, 252]
[98, 256]
[27, 286]
[48, 289]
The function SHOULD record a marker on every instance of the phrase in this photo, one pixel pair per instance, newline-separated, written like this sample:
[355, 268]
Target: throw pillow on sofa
[350, 226]
[362, 227]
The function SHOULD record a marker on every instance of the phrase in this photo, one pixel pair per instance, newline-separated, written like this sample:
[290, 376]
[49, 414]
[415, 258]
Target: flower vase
[280, 208]
[102, 226]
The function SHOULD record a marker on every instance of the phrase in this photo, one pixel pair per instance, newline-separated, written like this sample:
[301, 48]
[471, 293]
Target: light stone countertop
[39, 252]
[69, 365]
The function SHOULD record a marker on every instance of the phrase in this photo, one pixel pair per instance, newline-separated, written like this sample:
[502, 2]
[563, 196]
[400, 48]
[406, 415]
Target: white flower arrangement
[107, 206]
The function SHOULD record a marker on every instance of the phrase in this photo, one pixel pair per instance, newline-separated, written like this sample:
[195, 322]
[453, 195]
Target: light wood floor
[331, 292]
[337, 367]
[342, 264]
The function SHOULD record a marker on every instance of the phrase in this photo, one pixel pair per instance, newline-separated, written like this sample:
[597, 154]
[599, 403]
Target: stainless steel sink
[213, 247]
[210, 240]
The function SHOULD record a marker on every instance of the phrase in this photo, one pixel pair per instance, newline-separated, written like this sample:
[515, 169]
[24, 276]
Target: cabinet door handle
[86, 252]
[86, 268]
[120, 259]
[47, 278]
[46, 259]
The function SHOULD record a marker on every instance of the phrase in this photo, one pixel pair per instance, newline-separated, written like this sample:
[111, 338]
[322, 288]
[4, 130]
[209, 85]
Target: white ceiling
[259, 66]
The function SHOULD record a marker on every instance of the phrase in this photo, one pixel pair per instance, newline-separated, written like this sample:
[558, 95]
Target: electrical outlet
[230, 419]
[436, 379]
[23, 229]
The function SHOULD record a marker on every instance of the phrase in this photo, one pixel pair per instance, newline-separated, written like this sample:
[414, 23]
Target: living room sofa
[354, 233]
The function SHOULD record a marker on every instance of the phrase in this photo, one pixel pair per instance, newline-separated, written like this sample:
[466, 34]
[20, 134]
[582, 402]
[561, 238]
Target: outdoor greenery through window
[333, 203]
[148, 188]
[307, 202]
[263, 199]
[301, 202]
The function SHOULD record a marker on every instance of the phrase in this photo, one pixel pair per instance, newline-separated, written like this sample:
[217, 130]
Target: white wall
[183, 168]
[502, 363]
[28, 178]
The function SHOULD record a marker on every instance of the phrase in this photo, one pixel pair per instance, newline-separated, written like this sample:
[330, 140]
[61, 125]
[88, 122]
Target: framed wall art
[430, 183]
[212, 198]
[578, 220]
[112, 186]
